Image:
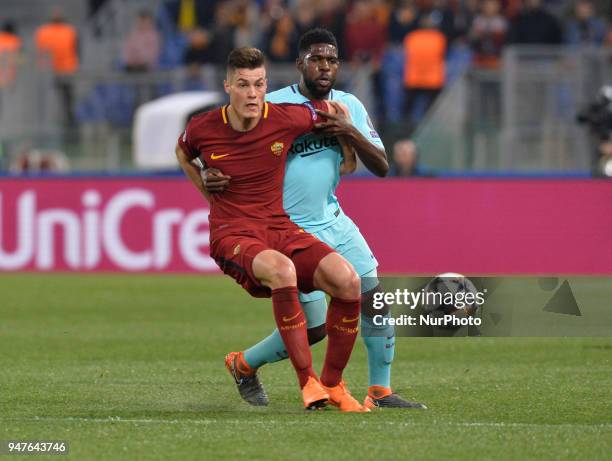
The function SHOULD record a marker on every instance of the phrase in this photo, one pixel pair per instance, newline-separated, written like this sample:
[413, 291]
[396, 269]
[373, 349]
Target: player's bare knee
[347, 284]
[282, 273]
[352, 286]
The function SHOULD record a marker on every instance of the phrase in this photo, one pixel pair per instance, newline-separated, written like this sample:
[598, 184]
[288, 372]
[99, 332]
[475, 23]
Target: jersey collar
[296, 89]
[224, 112]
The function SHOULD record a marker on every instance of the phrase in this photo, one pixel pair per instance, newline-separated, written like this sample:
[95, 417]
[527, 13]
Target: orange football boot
[339, 396]
[314, 395]
[249, 386]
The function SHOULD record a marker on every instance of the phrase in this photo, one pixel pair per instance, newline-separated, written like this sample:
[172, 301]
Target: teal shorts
[344, 237]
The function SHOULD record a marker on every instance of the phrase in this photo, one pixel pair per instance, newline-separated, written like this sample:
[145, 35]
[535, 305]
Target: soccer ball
[451, 297]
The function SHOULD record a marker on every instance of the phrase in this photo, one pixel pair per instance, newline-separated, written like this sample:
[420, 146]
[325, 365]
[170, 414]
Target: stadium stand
[509, 116]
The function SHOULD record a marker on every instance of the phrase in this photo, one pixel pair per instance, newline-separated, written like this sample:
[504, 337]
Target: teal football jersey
[313, 164]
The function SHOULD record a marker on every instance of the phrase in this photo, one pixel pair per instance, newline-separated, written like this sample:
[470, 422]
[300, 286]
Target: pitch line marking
[301, 421]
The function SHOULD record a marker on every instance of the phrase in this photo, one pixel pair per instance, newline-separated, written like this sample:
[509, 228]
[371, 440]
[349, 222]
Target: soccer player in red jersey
[251, 237]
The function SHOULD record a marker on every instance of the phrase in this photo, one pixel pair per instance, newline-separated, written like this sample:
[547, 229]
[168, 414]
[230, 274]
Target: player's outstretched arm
[372, 156]
[349, 162]
[191, 171]
[336, 110]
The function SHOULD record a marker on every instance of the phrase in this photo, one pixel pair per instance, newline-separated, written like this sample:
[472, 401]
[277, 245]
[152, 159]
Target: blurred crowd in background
[414, 42]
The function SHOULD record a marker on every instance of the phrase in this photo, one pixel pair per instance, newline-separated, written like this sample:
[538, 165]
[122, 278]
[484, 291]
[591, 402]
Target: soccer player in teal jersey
[313, 170]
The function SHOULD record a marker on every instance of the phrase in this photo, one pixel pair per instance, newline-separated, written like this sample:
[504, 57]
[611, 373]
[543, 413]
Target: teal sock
[269, 350]
[380, 344]
[379, 340]
[272, 348]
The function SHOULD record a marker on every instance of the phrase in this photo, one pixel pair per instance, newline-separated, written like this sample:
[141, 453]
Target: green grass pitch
[131, 367]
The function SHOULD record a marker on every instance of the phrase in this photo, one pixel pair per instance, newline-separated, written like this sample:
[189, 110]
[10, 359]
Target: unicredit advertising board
[160, 224]
[103, 225]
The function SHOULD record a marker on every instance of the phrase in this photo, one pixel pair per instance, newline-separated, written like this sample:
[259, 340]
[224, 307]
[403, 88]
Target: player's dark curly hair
[318, 35]
[245, 58]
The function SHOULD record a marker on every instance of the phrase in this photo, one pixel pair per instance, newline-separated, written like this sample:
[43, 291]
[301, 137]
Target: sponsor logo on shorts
[277, 148]
[214, 156]
[236, 249]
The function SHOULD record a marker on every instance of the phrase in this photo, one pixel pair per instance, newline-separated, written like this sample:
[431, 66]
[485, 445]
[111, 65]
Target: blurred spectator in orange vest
[424, 68]
[10, 44]
[57, 42]
[57, 45]
[142, 45]
[488, 35]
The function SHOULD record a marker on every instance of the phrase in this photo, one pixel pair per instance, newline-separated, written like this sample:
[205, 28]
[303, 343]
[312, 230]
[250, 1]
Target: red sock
[342, 325]
[292, 327]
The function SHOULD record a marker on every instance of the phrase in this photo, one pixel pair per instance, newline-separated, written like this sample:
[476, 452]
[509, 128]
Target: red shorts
[235, 246]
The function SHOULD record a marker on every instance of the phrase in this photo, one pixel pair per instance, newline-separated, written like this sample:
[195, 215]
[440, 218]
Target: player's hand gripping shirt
[313, 164]
[254, 159]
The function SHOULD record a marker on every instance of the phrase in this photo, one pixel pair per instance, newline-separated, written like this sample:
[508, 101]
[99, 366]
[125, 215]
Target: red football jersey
[254, 159]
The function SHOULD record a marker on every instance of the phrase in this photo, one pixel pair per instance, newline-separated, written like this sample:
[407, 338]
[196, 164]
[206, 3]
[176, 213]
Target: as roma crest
[277, 148]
